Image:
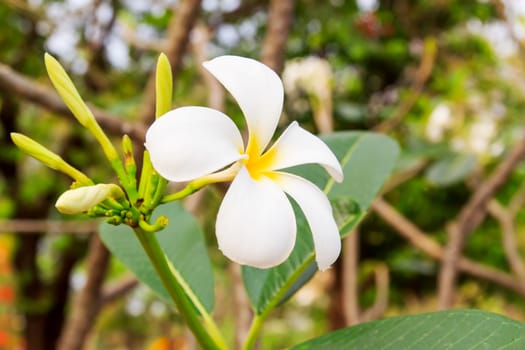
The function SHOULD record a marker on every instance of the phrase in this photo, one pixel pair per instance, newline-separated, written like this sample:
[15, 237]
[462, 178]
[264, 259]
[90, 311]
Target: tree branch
[506, 218]
[245, 9]
[350, 289]
[424, 70]
[382, 281]
[517, 201]
[279, 24]
[117, 289]
[508, 237]
[30, 226]
[177, 39]
[200, 43]
[241, 304]
[470, 216]
[43, 96]
[427, 245]
[87, 304]
[350, 286]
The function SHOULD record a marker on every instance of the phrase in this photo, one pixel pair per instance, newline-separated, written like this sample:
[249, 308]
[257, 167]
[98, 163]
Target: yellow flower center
[256, 163]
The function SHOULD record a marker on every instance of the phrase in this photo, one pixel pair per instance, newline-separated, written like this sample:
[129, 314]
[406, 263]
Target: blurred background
[445, 78]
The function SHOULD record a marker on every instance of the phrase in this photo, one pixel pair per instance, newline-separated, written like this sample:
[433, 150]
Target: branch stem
[204, 329]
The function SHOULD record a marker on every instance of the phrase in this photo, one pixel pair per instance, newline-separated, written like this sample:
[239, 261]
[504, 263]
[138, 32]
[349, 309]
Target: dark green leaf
[451, 330]
[452, 169]
[184, 245]
[367, 160]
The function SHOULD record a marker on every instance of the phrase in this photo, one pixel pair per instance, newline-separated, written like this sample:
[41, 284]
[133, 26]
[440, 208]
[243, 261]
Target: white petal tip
[338, 177]
[336, 171]
[323, 268]
[259, 263]
[326, 259]
[318, 212]
[256, 259]
[206, 64]
[323, 265]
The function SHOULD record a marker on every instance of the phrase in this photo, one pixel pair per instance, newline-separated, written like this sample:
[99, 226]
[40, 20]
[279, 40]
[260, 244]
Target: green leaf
[452, 169]
[367, 160]
[452, 330]
[184, 245]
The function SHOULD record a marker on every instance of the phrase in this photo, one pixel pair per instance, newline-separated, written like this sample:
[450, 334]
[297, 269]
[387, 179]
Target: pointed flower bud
[80, 200]
[47, 157]
[66, 89]
[163, 86]
[129, 159]
[36, 150]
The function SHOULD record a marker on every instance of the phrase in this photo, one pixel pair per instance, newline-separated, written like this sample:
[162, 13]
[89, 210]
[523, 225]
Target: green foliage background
[374, 57]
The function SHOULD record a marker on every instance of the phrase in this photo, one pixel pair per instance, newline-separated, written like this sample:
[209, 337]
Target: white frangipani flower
[256, 223]
[312, 75]
[441, 119]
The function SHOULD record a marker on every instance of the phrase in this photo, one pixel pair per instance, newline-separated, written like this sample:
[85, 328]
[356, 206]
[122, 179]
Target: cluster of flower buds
[129, 202]
[203, 146]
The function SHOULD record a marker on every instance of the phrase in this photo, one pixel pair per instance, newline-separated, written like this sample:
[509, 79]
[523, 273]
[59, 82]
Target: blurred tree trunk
[41, 303]
[336, 309]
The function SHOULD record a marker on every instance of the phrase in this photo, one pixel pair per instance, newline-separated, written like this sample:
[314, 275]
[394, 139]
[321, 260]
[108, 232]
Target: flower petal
[318, 213]
[297, 146]
[257, 89]
[256, 223]
[190, 142]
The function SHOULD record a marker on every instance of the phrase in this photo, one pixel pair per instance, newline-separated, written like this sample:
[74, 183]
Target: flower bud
[66, 89]
[163, 86]
[36, 150]
[48, 158]
[80, 200]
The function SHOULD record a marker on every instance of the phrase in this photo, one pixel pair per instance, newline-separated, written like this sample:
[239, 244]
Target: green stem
[185, 192]
[145, 174]
[258, 319]
[208, 334]
[159, 192]
[76, 174]
[151, 189]
[130, 166]
[158, 225]
[125, 180]
[253, 333]
[195, 185]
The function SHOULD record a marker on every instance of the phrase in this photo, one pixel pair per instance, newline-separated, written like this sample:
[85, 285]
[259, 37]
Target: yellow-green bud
[37, 151]
[47, 157]
[66, 89]
[127, 146]
[163, 86]
[80, 200]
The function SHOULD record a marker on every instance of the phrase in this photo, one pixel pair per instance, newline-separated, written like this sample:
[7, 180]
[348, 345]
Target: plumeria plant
[282, 217]
[212, 142]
